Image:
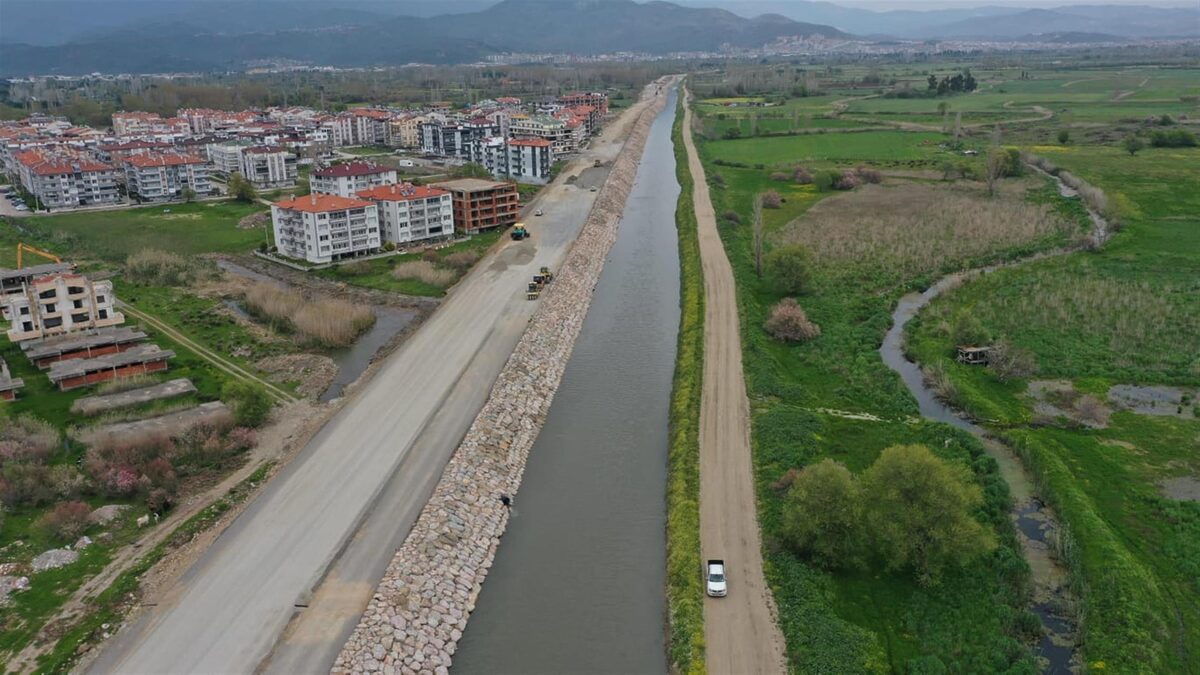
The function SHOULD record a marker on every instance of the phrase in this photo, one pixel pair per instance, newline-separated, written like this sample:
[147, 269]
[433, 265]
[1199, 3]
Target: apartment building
[133, 122]
[561, 137]
[597, 100]
[64, 179]
[267, 166]
[321, 228]
[346, 180]
[165, 176]
[525, 160]
[482, 204]
[226, 156]
[454, 138]
[57, 304]
[405, 131]
[409, 213]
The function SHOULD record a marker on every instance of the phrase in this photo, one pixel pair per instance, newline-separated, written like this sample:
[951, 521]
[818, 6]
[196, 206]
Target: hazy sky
[947, 4]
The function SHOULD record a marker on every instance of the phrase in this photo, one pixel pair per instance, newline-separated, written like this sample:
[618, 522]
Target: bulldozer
[546, 274]
[532, 291]
[519, 232]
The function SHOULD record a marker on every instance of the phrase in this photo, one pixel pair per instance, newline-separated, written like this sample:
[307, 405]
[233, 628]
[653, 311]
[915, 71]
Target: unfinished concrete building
[140, 360]
[58, 304]
[8, 384]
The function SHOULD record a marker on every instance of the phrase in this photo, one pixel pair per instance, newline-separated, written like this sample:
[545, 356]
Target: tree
[303, 187]
[1064, 137]
[789, 323]
[756, 225]
[1009, 361]
[189, 195]
[241, 189]
[918, 512]
[789, 266]
[822, 516]
[251, 405]
[472, 170]
[933, 82]
[1132, 144]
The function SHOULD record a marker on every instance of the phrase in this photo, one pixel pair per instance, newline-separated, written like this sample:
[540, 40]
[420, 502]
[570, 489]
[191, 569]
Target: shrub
[939, 380]
[66, 521]
[425, 272]
[780, 176]
[789, 323]
[430, 255]
[822, 516]
[969, 330]
[717, 180]
[789, 268]
[241, 189]
[846, 180]
[462, 260]
[159, 500]
[357, 268]
[1008, 361]
[1064, 136]
[26, 439]
[24, 484]
[868, 175]
[918, 511]
[732, 216]
[66, 481]
[772, 199]
[251, 405]
[160, 268]
[1173, 138]
[1092, 411]
[1132, 144]
[802, 176]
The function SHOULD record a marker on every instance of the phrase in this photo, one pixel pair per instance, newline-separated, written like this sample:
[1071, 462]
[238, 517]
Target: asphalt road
[387, 446]
[740, 634]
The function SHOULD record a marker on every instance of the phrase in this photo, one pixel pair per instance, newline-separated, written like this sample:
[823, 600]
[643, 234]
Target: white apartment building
[269, 166]
[322, 228]
[56, 304]
[347, 180]
[156, 177]
[556, 131]
[63, 179]
[410, 212]
[525, 160]
[226, 157]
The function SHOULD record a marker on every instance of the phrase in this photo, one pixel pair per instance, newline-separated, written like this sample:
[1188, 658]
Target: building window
[103, 314]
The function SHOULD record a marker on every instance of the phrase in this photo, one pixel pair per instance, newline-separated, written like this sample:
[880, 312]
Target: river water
[577, 584]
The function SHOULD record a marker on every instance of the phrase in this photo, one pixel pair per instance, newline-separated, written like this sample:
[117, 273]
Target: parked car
[22, 207]
[538, 213]
[714, 577]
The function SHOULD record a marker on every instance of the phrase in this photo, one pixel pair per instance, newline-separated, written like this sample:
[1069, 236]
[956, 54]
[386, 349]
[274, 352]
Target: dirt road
[350, 494]
[740, 633]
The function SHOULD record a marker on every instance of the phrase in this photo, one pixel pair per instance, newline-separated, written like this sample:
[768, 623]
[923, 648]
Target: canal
[578, 582]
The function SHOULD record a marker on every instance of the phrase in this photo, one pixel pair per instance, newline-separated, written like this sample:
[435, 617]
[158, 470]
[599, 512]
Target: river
[578, 581]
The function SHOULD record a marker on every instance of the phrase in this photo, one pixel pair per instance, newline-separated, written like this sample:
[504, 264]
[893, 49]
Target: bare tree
[757, 230]
[995, 163]
[957, 126]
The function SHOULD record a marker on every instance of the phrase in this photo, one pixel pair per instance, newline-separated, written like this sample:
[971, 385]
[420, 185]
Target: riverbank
[420, 608]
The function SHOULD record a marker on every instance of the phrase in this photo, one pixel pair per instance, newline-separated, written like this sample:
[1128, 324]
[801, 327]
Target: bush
[780, 176]
[868, 175]
[771, 200]
[24, 484]
[846, 180]
[789, 268]
[251, 405]
[26, 439]
[968, 330]
[241, 189]
[425, 272]
[1008, 361]
[822, 516]
[802, 176]
[357, 268]
[789, 323]
[66, 521]
[1173, 138]
[430, 255]
[918, 510]
[1064, 136]
[160, 268]
[1132, 144]
[462, 260]
[732, 216]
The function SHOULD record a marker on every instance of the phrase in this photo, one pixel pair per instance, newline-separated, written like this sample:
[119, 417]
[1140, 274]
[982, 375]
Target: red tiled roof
[48, 165]
[165, 159]
[399, 192]
[133, 145]
[372, 113]
[322, 203]
[531, 142]
[351, 169]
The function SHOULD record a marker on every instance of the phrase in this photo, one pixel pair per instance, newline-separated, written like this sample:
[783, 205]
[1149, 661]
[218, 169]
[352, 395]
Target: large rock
[53, 559]
[107, 513]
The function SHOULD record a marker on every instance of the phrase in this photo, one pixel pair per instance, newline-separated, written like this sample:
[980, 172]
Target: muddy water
[351, 361]
[1035, 524]
[577, 585]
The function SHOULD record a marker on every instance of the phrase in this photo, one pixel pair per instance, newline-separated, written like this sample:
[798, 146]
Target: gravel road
[740, 633]
[386, 446]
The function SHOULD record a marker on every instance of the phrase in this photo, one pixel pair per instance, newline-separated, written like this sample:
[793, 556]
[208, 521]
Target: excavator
[23, 248]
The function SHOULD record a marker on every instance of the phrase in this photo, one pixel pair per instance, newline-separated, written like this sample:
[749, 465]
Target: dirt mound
[314, 372]
[260, 219]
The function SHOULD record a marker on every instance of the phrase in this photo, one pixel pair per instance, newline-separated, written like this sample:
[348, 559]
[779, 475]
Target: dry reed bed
[425, 272]
[913, 229]
[328, 321]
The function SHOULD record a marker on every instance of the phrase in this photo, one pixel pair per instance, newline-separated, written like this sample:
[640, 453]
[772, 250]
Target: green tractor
[519, 232]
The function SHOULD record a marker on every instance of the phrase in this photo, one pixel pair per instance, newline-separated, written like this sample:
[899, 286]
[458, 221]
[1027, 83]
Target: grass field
[851, 622]
[1127, 314]
[377, 273]
[186, 229]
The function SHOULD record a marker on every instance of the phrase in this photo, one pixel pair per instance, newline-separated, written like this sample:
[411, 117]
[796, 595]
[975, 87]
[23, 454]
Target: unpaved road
[357, 486]
[740, 633]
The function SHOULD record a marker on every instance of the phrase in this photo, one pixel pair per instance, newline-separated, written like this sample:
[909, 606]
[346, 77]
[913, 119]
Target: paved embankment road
[227, 612]
[740, 633]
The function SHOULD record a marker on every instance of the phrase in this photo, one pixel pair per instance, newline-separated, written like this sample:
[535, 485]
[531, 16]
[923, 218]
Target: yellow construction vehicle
[23, 247]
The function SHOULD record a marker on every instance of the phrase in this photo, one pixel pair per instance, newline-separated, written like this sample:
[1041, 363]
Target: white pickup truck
[714, 578]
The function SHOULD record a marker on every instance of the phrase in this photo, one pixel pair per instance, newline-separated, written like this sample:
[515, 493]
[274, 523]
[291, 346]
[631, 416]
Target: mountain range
[113, 36]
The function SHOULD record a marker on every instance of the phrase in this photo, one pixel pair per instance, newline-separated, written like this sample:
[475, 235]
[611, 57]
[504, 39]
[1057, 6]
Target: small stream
[351, 361]
[1036, 525]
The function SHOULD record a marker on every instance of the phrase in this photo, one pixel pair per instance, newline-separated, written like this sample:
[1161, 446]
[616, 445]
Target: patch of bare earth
[1182, 488]
[313, 372]
[1058, 399]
